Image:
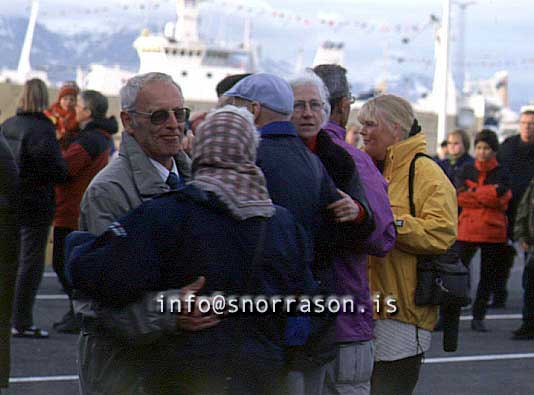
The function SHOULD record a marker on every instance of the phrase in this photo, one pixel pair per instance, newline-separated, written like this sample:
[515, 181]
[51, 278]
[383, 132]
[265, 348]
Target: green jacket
[524, 221]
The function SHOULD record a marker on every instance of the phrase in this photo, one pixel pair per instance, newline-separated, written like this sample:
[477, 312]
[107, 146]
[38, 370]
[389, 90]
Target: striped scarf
[224, 156]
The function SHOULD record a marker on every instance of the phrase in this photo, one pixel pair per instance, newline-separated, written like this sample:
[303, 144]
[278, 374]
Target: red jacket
[483, 194]
[85, 157]
[64, 120]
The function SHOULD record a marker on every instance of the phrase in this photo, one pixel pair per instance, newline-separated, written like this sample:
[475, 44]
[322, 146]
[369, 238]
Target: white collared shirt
[163, 171]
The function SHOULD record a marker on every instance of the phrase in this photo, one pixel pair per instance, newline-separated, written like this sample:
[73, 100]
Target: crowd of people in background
[272, 192]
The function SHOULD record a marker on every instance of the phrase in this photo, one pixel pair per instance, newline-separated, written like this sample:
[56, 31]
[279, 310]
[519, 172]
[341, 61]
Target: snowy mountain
[60, 54]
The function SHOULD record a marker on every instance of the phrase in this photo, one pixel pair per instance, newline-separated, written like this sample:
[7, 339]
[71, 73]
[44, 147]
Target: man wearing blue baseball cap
[297, 180]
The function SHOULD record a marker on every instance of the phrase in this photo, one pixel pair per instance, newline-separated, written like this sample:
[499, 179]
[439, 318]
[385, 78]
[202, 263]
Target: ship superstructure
[178, 51]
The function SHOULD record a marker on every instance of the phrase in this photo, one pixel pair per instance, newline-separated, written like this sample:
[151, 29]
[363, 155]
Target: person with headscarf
[392, 137]
[223, 227]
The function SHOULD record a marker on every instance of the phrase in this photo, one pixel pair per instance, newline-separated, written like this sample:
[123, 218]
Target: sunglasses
[159, 117]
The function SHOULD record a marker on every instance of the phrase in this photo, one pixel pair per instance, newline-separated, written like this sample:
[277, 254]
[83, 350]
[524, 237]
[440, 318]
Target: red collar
[312, 144]
[486, 165]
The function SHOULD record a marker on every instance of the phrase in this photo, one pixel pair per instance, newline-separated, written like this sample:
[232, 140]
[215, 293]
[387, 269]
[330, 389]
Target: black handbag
[441, 279]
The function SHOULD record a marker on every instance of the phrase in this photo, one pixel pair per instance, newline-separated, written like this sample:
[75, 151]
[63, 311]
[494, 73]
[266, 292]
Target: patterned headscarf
[224, 162]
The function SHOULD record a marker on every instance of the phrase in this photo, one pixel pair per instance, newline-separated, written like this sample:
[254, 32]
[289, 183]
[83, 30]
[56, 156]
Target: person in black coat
[32, 139]
[8, 252]
[516, 155]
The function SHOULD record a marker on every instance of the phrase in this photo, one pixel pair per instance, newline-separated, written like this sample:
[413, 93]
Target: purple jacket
[351, 267]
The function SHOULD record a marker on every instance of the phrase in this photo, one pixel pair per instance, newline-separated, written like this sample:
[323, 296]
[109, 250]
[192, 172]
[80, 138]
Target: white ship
[178, 51]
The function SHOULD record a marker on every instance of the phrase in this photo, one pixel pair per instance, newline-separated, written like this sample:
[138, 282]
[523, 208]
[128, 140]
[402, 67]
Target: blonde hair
[34, 97]
[390, 109]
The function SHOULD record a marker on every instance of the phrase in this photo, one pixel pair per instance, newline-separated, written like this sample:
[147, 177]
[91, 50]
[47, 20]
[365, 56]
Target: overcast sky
[496, 30]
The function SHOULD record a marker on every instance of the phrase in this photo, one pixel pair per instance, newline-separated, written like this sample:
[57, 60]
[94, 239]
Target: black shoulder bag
[441, 279]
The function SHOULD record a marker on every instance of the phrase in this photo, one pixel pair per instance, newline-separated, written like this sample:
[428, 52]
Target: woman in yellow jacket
[392, 136]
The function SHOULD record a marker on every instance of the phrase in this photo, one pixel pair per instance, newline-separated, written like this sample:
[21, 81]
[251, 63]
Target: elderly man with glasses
[150, 158]
[150, 162]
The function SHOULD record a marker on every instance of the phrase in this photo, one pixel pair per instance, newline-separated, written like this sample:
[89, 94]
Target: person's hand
[194, 320]
[345, 209]
[187, 142]
[524, 245]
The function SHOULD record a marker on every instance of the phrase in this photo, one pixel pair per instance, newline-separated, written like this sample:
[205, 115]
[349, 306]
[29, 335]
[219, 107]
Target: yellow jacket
[433, 231]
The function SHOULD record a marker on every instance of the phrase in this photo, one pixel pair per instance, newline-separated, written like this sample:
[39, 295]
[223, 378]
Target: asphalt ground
[485, 363]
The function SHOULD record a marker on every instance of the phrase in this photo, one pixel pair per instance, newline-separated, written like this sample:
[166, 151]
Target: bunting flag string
[232, 7]
[331, 21]
[476, 63]
[284, 17]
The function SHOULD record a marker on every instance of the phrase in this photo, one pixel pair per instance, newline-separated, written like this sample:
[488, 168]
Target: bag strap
[411, 176]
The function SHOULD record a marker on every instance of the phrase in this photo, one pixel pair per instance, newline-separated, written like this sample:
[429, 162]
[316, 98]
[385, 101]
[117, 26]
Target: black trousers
[493, 267]
[396, 377]
[58, 261]
[30, 272]
[528, 296]
[500, 293]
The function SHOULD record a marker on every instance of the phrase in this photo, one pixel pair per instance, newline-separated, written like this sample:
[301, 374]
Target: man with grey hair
[354, 332]
[150, 158]
[150, 162]
[335, 79]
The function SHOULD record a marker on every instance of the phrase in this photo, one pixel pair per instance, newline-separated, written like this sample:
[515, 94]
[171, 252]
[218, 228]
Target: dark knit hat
[489, 137]
[335, 79]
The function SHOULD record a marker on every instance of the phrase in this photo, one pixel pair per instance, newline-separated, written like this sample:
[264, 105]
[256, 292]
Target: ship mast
[247, 34]
[442, 98]
[461, 43]
[186, 21]
[24, 67]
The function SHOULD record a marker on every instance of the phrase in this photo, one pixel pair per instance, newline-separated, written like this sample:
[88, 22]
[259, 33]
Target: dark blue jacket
[452, 170]
[297, 180]
[32, 139]
[168, 242]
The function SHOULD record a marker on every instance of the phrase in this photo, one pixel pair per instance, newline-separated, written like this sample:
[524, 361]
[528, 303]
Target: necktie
[173, 181]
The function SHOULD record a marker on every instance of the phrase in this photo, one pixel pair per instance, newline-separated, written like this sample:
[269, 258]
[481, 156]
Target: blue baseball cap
[267, 89]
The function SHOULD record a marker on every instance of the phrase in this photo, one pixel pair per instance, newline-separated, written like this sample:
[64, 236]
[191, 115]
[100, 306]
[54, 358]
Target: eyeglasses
[300, 106]
[159, 117]
[352, 99]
